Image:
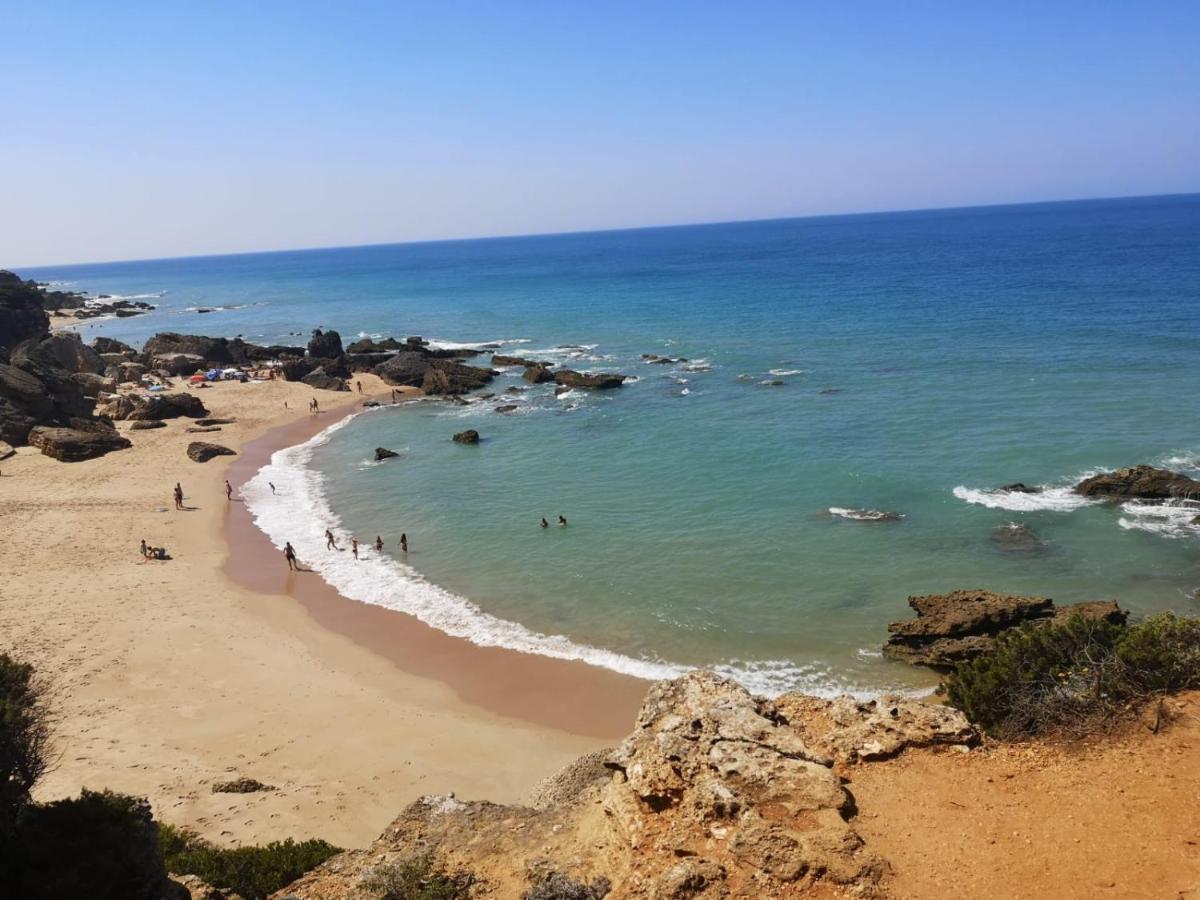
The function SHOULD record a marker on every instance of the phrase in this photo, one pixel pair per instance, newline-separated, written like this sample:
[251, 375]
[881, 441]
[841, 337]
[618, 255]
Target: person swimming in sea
[330, 543]
[404, 543]
[562, 520]
[378, 544]
[354, 547]
[545, 524]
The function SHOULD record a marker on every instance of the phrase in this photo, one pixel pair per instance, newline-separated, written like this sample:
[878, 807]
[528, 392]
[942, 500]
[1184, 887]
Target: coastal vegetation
[1075, 677]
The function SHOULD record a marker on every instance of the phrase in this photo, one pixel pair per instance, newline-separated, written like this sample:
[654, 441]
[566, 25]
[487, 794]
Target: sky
[134, 131]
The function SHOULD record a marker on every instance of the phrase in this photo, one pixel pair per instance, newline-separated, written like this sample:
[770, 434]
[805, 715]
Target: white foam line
[298, 511]
[1054, 499]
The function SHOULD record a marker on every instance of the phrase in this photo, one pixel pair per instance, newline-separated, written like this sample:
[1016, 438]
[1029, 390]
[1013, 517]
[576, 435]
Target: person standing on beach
[358, 384]
[404, 543]
[178, 495]
[354, 547]
[289, 553]
[378, 544]
[228, 490]
[330, 543]
[316, 406]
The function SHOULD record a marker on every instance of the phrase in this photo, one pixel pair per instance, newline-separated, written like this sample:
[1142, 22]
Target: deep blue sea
[904, 362]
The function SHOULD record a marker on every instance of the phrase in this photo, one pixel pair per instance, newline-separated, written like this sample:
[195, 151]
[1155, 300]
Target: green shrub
[253, 872]
[99, 845]
[24, 738]
[418, 878]
[557, 886]
[1075, 677]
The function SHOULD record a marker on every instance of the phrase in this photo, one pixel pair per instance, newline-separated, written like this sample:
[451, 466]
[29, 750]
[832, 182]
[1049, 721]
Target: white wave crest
[1054, 499]
[1170, 519]
[865, 515]
[781, 372]
[439, 344]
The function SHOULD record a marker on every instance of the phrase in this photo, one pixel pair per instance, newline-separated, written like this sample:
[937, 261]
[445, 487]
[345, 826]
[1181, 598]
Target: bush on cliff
[419, 878]
[252, 872]
[1076, 677]
[99, 845]
[24, 738]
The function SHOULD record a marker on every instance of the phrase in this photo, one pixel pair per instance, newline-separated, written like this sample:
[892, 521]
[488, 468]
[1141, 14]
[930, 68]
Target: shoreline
[167, 677]
[566, 695]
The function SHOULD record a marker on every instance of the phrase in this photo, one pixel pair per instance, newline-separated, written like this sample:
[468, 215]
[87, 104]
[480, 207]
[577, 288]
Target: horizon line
[614, 230]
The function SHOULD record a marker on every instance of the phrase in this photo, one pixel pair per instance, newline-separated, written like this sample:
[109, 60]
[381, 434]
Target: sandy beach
[169, 676]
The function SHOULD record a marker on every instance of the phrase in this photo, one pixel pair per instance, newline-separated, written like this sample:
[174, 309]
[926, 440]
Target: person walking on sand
[178, 495]
[358, 384]
[562, 520]
[330, 543]
[378, 544]
[404, 543]
[228, 490]
[289, 553]
[545, 524]
[354, 547]
[316, 406]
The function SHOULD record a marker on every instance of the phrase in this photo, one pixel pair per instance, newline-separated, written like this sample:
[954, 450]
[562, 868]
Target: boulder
[6, 450]
[75, 445]
[93, 385]
[103, 345]
[499, 359]
[200, 429]
[147, 424]
[507, 408]
[296, 369]
[64, 350]
[322, 380]
[325, 344]
[956, 627]
[157, 406]
[177, 363]
[433, 374]
[22, 315]
[1140, 483]
[382, 453]
[470, 436]
[200, 451]
[37, 393]
[538, 375]
[1021, 488]
[604, 381]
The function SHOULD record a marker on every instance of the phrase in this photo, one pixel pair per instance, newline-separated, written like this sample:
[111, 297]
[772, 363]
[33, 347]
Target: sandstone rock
[75, 445]
[1139, 482]
[1108, 610]
[603, 381]
[382, 453]
[22, 315]
[176, 363]
[206, 422]
[499, 359]
[955, 627]
[240, 786]
[319, 378]
[325, 344]
[65, 350]
[157, 406]
[470, 436]
[199, 429]
[537, 374]
[199, 451]
[6, 450]
[93, 385]
[147, 424]
[105, 345]
[434, 375]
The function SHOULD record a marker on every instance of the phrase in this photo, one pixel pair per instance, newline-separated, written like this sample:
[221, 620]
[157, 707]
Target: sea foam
[1051, 498]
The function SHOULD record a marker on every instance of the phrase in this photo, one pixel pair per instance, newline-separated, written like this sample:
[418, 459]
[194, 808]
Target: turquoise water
[926, 358]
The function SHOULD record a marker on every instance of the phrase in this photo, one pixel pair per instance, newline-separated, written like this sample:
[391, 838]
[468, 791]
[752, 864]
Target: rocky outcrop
[104, 345]
[537, 375]
[63, 350]
[603, 381]
[470, 436]
[21, 313]
[201, 451]
[325, 344]
[93, 386]
[955, 627]
[499, 359]
[367, 345]
[174, 364]
[432, 374]
[75, 444]
[322, 380]
[193, 887]
[1139, 483]
[382, 453]
[716, 793]
[158, 406]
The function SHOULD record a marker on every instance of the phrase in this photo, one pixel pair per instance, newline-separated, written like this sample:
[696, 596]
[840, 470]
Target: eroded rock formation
[1140, 483]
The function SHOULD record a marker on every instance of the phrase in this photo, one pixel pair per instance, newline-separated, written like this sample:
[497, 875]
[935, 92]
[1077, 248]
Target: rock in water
[507, 408]
[470, 436]
[955, 627]
[200, 451]
[537, 374]
[603, 381]
[1139, 482]
[1015, 537]
[382, 453]
[75, 445]
[1020, 488]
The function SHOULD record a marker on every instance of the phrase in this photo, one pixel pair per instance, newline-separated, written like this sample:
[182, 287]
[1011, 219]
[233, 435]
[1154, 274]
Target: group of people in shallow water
[562, 520]
[289, 552]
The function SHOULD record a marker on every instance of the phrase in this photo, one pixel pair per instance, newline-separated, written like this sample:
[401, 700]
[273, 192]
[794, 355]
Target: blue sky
[141, 130]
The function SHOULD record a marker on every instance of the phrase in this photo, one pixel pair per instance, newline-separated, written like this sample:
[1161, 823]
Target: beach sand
[170, 676]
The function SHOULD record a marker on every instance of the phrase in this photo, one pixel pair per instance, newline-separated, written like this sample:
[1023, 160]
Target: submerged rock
[1139, 482]
[1020, 488]
[1015, 537]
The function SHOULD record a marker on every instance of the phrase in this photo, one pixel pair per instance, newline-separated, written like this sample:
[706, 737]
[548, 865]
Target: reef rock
[1139, 482]
[74, 444]
[1015, 537]
[200, 451]
[604, 381]
[432, 374]
[537, 374]
[955, 627]
[470, 436]
[382, 453]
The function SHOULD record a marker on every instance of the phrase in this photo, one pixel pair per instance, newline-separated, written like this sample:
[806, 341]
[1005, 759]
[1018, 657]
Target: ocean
[907, 363]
